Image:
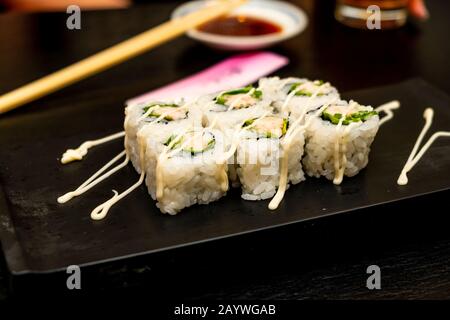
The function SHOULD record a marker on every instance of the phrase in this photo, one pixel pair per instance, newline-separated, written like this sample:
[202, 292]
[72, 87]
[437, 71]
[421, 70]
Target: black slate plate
[39, 235]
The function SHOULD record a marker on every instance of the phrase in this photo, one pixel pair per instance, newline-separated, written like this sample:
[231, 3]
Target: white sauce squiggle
[237, 134]
[415, 156]
[162, 157]
[286, 143]
[340, 159]
[102, 210]
[78, 153]
[93, 180]
[387, 108]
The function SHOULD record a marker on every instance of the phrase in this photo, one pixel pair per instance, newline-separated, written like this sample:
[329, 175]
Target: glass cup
[372, 14]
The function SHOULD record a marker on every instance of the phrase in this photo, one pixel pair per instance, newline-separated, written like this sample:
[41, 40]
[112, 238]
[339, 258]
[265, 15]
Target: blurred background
[61, 5]
[39, 42]
[417, 7]
[35, 41]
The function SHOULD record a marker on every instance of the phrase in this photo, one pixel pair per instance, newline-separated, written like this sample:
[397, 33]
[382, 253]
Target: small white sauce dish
[290, 18]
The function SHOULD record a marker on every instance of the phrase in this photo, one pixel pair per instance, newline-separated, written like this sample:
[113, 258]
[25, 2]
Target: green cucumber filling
[309, 88]
[239, 98]
[268, 127]
[166, 108]
[196, 143]
[356, 116]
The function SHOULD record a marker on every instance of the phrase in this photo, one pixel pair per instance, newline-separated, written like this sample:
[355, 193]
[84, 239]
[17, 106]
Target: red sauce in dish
[239, 26]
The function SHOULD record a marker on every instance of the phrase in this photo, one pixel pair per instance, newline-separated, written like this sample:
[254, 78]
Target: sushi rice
[186, 166]
[258, 157]
[163, 116]
[335, 141]
[291, 96]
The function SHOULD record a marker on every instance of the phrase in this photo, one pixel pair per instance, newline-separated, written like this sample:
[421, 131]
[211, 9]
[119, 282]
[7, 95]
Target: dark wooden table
[322, 259]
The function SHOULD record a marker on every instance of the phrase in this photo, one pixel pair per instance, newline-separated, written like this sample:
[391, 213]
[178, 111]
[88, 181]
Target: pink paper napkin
[236, 71]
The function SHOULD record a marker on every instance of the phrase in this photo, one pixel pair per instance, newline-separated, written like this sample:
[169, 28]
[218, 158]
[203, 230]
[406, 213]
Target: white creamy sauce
[416, 155]
[161, 158]
[95, 179]
[102, 210]
[237, 135]
[340, 146]
[78, 153]
[338, 175]
[222, 170]
[241, 99]
[289, 97]
[340, 157]
[148, 112]
[340, 149]
[237, 138]
[286, 144]
[387, 108]
[232, 105]
[312, 87]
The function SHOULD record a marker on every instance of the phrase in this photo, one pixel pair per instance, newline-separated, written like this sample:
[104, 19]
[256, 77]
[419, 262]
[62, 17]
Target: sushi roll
[258, 156]
[228, 109]
[165, 116]
[185, 168]
[296, 96]
[338, 140]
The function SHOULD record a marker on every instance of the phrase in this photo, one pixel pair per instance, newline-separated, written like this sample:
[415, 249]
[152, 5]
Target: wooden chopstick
[115, 54]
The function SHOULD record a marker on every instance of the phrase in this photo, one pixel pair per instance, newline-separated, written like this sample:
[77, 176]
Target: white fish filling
[170, 113]
[239, 101]
[268, 127]
[308, 88]
[346, 109]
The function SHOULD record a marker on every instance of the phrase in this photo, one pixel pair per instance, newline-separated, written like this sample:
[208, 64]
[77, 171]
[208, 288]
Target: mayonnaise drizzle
[285, 144]
[387, 108]
[340, 146]
[223, 177]
[222, 161]
[235, 141]
[162, 157]
[237, 133]
[338, 171]
[231, 106]
[289, 97]
[93, 180]
[340, 150]
[299, 88]
[78, 153]
[143, 131]
[148, 112]
[102, 210]
[415, 156]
